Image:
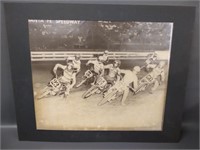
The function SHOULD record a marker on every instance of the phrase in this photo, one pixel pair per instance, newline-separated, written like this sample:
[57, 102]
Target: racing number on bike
[55, 83]
[88, 74]
[101, 81]
[149, 78]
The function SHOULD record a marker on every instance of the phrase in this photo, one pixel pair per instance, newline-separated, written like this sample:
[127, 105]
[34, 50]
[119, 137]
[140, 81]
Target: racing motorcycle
[89, 75]
[100, 86]
[148, 82]
[54, 87]
[113, 93]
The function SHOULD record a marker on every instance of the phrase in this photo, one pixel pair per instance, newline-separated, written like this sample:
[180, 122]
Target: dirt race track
[143, 111]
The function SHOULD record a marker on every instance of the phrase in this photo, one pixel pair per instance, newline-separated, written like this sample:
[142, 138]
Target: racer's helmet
[117, 63]
[100, 59]
[106, 52]
[70, 66]
[136, 69]
[69, 59]
[77, 57]
[154, 56]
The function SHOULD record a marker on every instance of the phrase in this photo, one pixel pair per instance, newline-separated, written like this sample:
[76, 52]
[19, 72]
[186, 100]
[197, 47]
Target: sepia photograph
[99, 75]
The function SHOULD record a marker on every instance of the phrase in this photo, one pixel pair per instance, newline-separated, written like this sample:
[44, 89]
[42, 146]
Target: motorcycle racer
[97, 67]
[113, 72]
[151, 61]
[77, 64]
[104, 57]
[158, 74]
[128, 78]
[68, 77]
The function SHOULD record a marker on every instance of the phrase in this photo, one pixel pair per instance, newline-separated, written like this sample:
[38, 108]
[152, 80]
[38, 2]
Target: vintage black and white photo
[99, 75]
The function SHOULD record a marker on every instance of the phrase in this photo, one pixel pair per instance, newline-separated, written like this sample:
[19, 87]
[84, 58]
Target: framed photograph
[99, 73]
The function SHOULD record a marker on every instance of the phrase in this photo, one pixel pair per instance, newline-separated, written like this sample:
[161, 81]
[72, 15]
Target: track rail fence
[62, 55]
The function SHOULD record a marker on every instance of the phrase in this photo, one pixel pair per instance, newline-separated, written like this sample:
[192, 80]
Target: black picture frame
[17, 15]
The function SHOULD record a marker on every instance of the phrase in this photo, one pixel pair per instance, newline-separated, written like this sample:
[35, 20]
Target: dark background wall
[190, 134]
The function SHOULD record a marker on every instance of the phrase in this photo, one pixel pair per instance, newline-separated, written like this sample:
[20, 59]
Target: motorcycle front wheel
[44, 93]
[153, 86]
[82, 81]
[141, 87]
[107, 98]
[90, 92]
